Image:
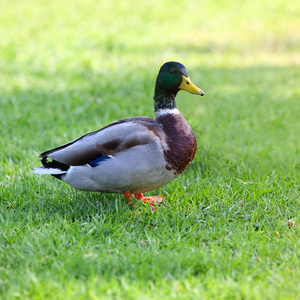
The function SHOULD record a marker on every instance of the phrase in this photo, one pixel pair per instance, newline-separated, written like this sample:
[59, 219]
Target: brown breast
[181, 141]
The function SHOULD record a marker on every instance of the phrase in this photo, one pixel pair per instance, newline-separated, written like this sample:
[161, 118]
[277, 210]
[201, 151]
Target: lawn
[230, 225]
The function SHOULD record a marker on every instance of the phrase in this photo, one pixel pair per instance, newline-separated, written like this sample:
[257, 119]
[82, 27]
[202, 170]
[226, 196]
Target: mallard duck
[134, 155]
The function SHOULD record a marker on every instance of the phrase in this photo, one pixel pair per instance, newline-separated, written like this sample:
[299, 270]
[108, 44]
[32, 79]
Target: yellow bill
[188, 86]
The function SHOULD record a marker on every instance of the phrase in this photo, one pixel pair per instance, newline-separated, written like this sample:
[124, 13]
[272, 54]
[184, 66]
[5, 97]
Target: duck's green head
[172, 78]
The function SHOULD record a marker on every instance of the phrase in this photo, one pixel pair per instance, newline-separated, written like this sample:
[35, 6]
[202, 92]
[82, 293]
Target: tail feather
[49, 171]
[52, 167]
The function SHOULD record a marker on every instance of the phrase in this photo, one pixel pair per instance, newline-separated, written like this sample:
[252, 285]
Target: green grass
[230, 227]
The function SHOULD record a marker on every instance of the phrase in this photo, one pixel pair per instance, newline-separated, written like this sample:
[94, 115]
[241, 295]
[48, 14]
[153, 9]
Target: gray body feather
[135, 149]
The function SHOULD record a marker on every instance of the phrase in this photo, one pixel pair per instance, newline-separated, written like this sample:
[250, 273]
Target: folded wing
[108, 141]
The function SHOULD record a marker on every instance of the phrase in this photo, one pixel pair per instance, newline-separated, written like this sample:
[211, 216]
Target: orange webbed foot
[152, 200]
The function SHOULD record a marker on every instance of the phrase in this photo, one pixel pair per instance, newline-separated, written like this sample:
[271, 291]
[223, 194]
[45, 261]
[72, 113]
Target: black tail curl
[55, 165]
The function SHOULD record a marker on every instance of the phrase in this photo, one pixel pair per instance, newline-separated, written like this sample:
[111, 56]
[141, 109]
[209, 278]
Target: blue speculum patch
[98, 160]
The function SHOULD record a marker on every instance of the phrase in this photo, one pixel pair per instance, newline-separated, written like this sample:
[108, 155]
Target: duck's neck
[161, 113]
[164, 101]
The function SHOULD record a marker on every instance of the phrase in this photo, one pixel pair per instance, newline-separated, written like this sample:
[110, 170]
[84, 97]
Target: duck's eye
[172, 71]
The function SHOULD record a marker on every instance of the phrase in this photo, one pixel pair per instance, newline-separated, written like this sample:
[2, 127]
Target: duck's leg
[152, 200]
[128, 197]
